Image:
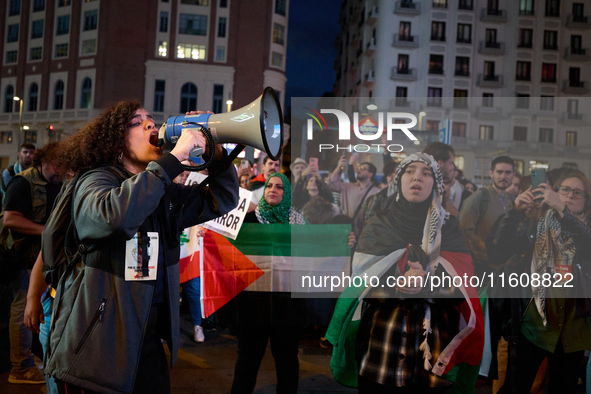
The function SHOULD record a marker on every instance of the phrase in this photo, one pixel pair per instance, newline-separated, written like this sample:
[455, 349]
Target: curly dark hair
[50, 153]
[100, 142]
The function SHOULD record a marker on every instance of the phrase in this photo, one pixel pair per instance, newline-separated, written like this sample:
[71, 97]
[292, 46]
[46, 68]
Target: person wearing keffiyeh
[556, 320]
[409, 338]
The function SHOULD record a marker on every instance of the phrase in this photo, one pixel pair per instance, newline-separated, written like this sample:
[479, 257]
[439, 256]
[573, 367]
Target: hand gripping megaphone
[258, 124]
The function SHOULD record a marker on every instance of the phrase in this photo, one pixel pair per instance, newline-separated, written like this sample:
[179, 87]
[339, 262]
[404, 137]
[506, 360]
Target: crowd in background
[422, 203]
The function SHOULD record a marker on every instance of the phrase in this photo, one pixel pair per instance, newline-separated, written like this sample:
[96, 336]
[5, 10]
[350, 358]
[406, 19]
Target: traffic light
[50, 128]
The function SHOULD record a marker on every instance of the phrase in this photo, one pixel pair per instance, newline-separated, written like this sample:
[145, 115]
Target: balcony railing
[71, 115]
[492, 48]
[407, 7]
[370, 47]
[575, 87]
[490, 81]
[576, 54]
[466, 5]
[492, 15]
[404, 74]
[372, 16]
[578, 22]
[399, 102]
[406, 41]
[369, 78]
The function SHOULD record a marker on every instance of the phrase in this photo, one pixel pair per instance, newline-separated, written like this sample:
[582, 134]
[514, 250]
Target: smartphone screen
[314, 162]
[244, 164]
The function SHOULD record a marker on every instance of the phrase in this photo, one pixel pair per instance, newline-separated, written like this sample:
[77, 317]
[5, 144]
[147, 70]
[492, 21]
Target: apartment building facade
[64, 61]
[511, 76]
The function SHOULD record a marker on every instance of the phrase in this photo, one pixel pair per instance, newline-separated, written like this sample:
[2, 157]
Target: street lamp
[20, 121]
[421, 115]
[229, 103]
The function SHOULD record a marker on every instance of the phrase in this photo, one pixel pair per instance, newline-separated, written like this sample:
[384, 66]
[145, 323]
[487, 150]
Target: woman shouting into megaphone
[129, 215]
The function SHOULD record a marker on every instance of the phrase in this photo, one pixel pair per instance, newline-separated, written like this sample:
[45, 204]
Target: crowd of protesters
[422, 219]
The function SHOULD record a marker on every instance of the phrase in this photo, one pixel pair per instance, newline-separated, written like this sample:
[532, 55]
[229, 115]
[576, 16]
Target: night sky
[311, 51]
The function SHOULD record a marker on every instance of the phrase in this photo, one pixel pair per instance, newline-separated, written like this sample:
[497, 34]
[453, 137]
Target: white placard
[229, 224]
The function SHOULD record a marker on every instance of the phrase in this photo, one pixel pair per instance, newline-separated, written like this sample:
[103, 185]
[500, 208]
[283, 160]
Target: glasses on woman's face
[565, 191]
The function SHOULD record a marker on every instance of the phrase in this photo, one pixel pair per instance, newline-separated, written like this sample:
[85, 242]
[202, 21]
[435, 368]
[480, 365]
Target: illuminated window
[30, 136]
[571, 138]
[163, 49]
[486, 132]
[459, 162]
[533, 164]
[278, 34]
[190, 51]
[5, 137]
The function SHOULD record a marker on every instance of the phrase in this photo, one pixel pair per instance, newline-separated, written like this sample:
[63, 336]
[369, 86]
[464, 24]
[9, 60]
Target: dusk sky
[311, 51]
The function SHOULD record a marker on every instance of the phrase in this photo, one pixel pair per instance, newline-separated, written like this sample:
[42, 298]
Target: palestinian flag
[271, 258]
[380, 250]
[191, 254]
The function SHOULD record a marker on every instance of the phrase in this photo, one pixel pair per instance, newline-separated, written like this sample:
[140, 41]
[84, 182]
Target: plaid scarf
[553, 247]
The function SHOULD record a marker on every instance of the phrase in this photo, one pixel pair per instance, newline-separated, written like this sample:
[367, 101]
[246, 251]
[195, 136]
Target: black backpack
[12, 174]
[61, 248]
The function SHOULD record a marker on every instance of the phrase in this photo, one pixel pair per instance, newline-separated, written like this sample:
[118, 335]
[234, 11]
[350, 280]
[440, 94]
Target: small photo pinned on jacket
[141, 257]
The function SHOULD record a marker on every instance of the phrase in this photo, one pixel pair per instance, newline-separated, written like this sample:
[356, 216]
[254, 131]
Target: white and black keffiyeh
[437, 214]
[553, 247]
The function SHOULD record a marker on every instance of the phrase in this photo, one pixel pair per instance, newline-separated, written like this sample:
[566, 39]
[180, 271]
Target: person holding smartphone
[555, 243]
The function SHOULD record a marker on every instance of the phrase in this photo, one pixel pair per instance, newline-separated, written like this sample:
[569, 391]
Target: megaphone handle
[211, 146]
[196, 152]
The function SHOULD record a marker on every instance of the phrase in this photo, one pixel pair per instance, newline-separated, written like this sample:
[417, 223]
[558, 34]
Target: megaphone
[258, 124]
